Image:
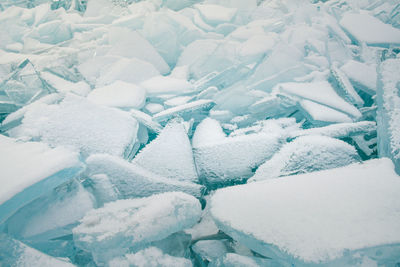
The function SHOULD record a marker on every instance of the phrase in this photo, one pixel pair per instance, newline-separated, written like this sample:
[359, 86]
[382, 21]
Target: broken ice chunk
[322, 93]
[166, 85]
[345, 88]
[315, 217]
[52, 32]
[207, 251]
[362, 75]
[43, 169]
[25, 85]
[307, 154]
[222, 160]
[13, 253]
[236, 260]
[81, 124]
[146, 120]
[199, 106]
[120, 95]
[150, 257]
[130, 180]
[388, 98]
[216, 14]
[170, 154]
[368, 29]
[132, 224]
[61, 85]
[320, 115]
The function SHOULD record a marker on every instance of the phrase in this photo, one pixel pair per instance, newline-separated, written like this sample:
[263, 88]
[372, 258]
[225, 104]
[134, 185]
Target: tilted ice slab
[29, 170]
[314, 217]
[221, 159]
[170, 154]
[130, 180]
[236, 260]
[307, 154]
[120, 95]
[321, 93]
[366, 28]
[388, 98]
[134, 223]
[150, 257]
[14, 253]
[361, 75]
[81, 124]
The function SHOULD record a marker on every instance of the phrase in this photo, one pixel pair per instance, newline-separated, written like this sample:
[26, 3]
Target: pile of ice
[199, 132]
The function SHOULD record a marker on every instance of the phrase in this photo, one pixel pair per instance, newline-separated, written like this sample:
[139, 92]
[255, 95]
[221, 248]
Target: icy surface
[314, 217]
[170, 154]
[78, 123]
[362, 75]
[133, 223]
[307, 154]
[13, 253]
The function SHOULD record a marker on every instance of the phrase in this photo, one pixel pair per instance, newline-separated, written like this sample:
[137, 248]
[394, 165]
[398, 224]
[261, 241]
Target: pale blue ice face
[199, 132]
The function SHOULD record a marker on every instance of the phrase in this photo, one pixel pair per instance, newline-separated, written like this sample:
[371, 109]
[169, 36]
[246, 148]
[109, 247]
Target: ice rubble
[151, 97]
[349, 201]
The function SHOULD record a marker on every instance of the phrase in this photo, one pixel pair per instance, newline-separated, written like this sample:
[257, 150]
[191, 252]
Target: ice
[388, 119]
[222, 160]
[146, 120]
[363, 76]
[64, 86]
[52, 32]
[129, 180]
[166, 85]
[81, 124]
[307, 154]
[209, 250]
[13, 253]
[25, 85]
[216, 14]
[346, 88]
[366, 28]
[199, 106]
[170, 154]
[150, 257]
[316, 217]
[43, 169]
[120, 95]
[236, 260]
[321, 93]
[134, 223]
[320, 115]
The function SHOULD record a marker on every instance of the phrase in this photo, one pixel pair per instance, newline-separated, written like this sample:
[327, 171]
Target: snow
[315, 217]
[307, 154]
[166, 85]
[150, 257]
[134, 223]
[324, 114]
[209, 131]
[362, 75]
[120, 95]
[40, 164]
[170, 154]
[366, 28]
[80, 124]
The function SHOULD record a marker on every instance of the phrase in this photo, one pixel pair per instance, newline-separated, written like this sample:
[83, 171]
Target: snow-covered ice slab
[236, 260]
[81, 124]
[307, 154]
[134, 223]
[388, 98]
[150, 257]
[130, 180]
[220, 159]
[216, 14]
[31, 169]
[364, 28]
[170, 154]
[362, 75]
[321, 93]
[120, 95]
[316, 217]
[14, 253]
